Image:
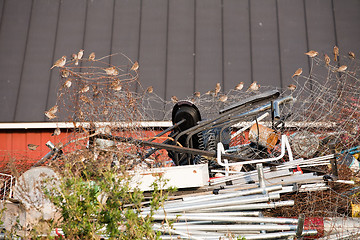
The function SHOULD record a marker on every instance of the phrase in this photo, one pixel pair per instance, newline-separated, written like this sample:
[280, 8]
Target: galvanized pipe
[238, 227]
[228, 202]
[210, 217]
[278, 235]
[251, 206]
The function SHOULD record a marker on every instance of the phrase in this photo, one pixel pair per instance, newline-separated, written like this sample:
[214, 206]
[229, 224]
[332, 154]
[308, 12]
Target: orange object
[265, 136]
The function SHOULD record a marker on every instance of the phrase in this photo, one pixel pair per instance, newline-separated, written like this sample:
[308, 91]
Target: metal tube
[217, 203]
[251, 206]
[231, 195]
[210, 217]
[260, 172]
[300, 225]
[238, 227]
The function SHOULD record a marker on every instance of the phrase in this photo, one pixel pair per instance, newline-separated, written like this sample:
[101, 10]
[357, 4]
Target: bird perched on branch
[352, 55]
[217, 89]
[223, 98]
[67, 83]
[197, 94]
[60, 62]
[135, 66]
[56, 132]
[327, 59]
[111, 71]
[51, 112]
[342, 68]
[174, 99]
[336, 53]
[253, 87]
[32, 147]
[150, 89]
[239, 86]
[292, 87]
[84, 89]
[297, 72]
[312, 53]
[80, 54]
[92, 56]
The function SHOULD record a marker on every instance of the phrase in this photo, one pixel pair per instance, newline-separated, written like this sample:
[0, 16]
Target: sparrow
[292, 87]
[312, 53]
[80, 54]
[135, 67]
[197, 94]
[253, 87]
[67, 83]
[239, 86]
[84, 89]
[60, 62]
[150, 89]
[116, 86]
[32, 147]
[297, 72]
[96, 91]
[223, 98]
[336, 53]
[85, 99]
[111, 71]
[327, 59]
[217, 89]
[342, 68]
[74, 57]
[53, 110]
[352, 55]
[50, 115]
[56, 132]
[208, 93]
[92, 56]
[65, 73]
[174, 99]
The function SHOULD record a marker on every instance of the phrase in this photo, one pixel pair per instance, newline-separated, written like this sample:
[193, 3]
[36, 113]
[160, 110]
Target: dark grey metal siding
[182, 46]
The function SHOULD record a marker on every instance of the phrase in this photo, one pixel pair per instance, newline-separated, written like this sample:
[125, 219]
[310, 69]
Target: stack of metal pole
[229, 214]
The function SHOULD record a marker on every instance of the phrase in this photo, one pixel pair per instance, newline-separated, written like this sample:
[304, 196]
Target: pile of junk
[227, 185]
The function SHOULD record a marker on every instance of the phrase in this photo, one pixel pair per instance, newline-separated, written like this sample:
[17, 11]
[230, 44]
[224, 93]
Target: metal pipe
[300, 225]
[260, 172]
[238, 227]
[251, 206]
[210, 217]
[231, 195]
[217, 203]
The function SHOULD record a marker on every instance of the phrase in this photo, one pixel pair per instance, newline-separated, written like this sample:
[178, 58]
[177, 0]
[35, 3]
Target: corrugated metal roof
[182, 46]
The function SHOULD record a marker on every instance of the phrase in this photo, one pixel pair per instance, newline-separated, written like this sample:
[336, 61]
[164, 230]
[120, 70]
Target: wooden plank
[180, 61]
[69, 40]
[34, 85]
[264, 37]
[293, 42]
[208, 51]
[12, 48]
[237, 59]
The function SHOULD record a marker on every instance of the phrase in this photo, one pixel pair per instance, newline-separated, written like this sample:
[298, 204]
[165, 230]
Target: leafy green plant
[98, 202]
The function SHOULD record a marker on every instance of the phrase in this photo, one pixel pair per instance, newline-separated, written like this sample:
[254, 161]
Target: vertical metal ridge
[251, 50]
[112, 31]
[2, 15]
[139, 37]
[194, 52]
[23, 60]
[53, 57]
[166, 50]
[307, 37]
[279, 42]
[222, 45]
